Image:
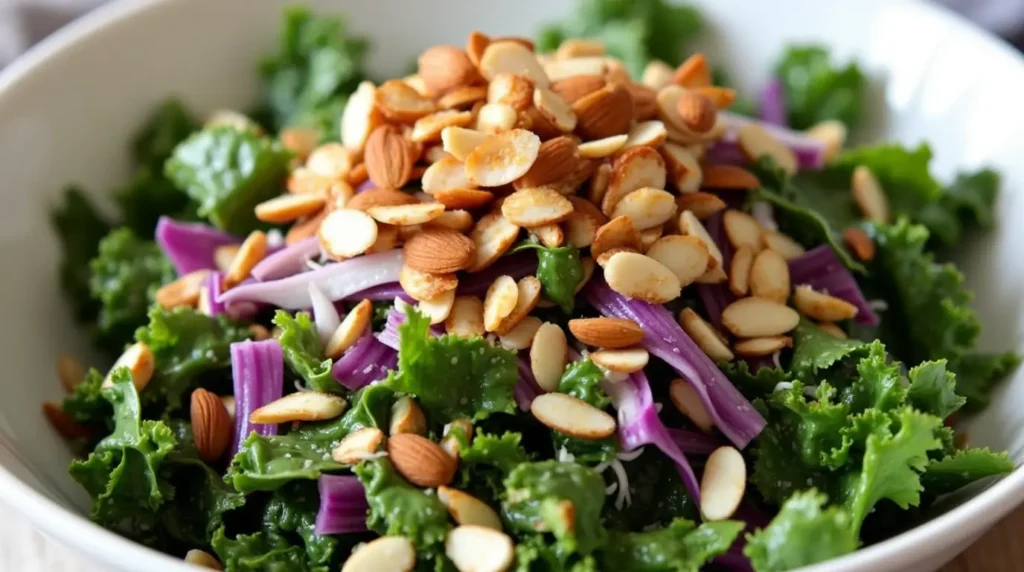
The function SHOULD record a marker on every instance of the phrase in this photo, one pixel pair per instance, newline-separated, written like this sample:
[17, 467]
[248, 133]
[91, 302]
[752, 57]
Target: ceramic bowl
[69, 106]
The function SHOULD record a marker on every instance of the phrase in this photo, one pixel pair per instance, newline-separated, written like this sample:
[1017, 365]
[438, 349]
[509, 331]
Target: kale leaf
[815, 350]
[80, 228]
[559, 271]
[303, 351]
[582, 380]
[978, 373]
[398, 508]
[816, 91]
[803, 533]
[962, 468]
[680, 547]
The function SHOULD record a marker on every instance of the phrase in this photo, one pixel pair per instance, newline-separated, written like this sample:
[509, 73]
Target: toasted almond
[348, 332]
[784, 245]
[756, 142]
[690, 226]
[421, 461]
[646, 134]
[182, 292]
[345, 233]
[696, 111]
[605, 147]
[860, 243]
[574, 88]
[476, 43]
[635, 168]
[603, 258]
[556, 159]
[290, 207]
[463, 198]
[578, 48]
[694, 72]
[302, 181]
[211, 425]
[548, 355]
[657, 74]
[742, 230]
[604, 332]
[759, 347]
[647, 207]
[202, 559]
[821, 306]
[759, 317]
[707, 339]
[869, 196]
[360, 116]
[358, 175]
[493, 236]
[703, 205]
[70, 372]
[620, 232]
[520, 337]
[683, 169]
[645, 103]
[555, 109]
[715, 275]
[832, 330]
[439, 307]
[466, 318]
[400, 103]
[723, 484]
[253, 249]
[739, 271]
[467, 509]
[651, 235]
[424, 285]
[416, 82]
[572, 416]
[473, 548]
[769, 276]
[448, 173]
[558, 70]
[667, 101]
[598, 186]
[550, 235]
[723, 176]
[223, 255]
[503, 158]
[603, 113]
[300, 406]
[499, 302]
[462, 97]
[403, 215]
[512, 57]
[528, 295]
[379, 198]
[581, 226]
[64, 424]
[688, 402]
[536, 207]
[831, 133]
[391, 553]
[304, 228]
[439, 251]
[461, 142]
[446, 67]
[139, 360]
[515, 91]
[721, 97]
[388, 158]
[299, 140]
[429, 128]
[449, 442]
[407, 417]
[330, 160]
[641, 277]
[358, 446]
[628, 360]
[457, 220]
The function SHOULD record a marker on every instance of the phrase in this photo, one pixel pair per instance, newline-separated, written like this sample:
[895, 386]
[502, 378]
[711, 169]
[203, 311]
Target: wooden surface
[1001, 550]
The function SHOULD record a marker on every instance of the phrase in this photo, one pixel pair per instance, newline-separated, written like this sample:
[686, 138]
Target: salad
[572, 304]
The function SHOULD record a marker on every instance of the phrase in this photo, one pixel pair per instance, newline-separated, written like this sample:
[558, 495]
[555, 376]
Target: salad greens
[850, 420]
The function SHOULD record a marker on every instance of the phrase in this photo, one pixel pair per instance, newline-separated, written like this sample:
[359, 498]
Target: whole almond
[574, 88]
[446, 67]
[603, 113]
[439, 251]
[211, 425]
[697, 111]
[645, 101]
[556, 158]
[63, 423]
[694, 72]
[387, 158]
[607, 332]
[860, 243]
[421, 461]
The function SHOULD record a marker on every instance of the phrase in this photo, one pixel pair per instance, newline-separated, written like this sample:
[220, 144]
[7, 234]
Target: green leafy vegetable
[658, 495]
[559, 271]
[815, 350]
[582, 380]
[816, 91]
[453, 377]
[228, 172]
[303, 351]
[963, 468]
[803, 533]
[932, 389]
[86, 404]
[754, 384]
[977, 374]
[169, 125]
[681, 547]
[398, 508]
[260, 552]
[80, 227]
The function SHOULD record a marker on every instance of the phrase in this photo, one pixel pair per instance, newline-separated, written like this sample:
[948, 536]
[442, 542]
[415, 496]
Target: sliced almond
[703, 205]
[578, 48]
[758, 317]
[379, 198]
[202, 559]
[759, 347]
[721, 97]
[495, 118]
[514, 58]
[832, 330]
[683, 169]
[429, 128]
[475, 46]
[604, 332]
[535, 207]
[688, 402]
[407, 417]
[462, 97]
[769, 276]
[290, 207]
[581, 226]
[620, 232]
[629, 360]
[299, 140]
[707, 339]
[598, 186]
[468, 510]
[822, 306]
[869, 196]
[331, 160]
[559, 70]
[641, 277]
[499, 302]
[449, 442]
[742, 230]
[575, 87]
[784, 245]
[391, 553]
[515, 91]
[473, 548]
[493, 236]
[686, 256]
[439, 307]
[657, 74]
[503, 158]
[690, 226]
[446, 67]
[756, 142]
[649, 236]
[448, 173]
[555, 109]
[647, 207]
[520, 337]
[463, 198]
[696, 111]
[605, 147]
[223, 255]
[606, 256]
[457, 220]
[860, 243]
[604, 113]
[345, 233]
[667, 101]
[722, 176]
[355, 324]
[636, 168]
[358, 446]
[400, 103]
[403, 215]
[550, 235]
[548, 356]
[556, 159]
[831, 133]
[739, 271]
[424, 285]
[300, 406]
[249, 254]
[360, 116]
[466, 318]
[572, 416]
[461, 142]
[694, 72]
[723, 484]
[647, 134]
[715, 275]
[182, 292]
[529, 289]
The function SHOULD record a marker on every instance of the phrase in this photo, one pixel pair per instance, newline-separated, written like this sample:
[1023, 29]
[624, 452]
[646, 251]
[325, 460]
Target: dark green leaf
[932, 389]
[815, 350]
[962, 468]
[79, 227]
[582, 380]
[303, 351]
[680, 547]
[816, 91]
[398, 508]
[757, 384]
[803, 533]
[559, 271]
[86, 404]
[656, 491]
[169, 125]
[977, 374]
[260, 552]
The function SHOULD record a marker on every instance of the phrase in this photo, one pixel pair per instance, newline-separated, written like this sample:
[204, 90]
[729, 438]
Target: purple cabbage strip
[257, 369]
[388, 291]
[389, 335]
[211, 290]
[810, 153]
[640, 425]
[343, 505]
[287, 261]
[716, 297]
[365, 362]
[527, 389]
[665, 339]
[515, 265]
[820, 269]
[336, 281]
[773, 103]
[694, 442]
[190, 245]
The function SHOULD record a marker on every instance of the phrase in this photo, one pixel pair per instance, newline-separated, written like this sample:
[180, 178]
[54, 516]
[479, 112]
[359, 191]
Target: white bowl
[68, 107]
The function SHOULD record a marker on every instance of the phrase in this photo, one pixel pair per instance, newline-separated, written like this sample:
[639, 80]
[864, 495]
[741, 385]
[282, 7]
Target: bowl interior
[68, 109]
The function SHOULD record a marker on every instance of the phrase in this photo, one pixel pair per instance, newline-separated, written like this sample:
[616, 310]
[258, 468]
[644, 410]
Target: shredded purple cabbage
[211, 290]
[337, 281]
[810, 153]
[515, 265]
[190, 245]
[343, 505]
[396, 317]
[257, 369]
[665, 339]
[526, 389]
[388, 291]
[716, 297]
[365, 362]
[773, 103]
[694, 442]
[287, 261]
[325, 315]
[822, 270]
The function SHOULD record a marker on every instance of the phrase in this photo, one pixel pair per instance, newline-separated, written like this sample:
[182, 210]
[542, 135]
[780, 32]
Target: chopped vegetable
[803, 533]
[822, 270]
[303, 351]
[773, 103]
[257, 369]
[365, 362]
[343, 505]
[816, 91]
[287, 261]
[190, 246]
[559, 271]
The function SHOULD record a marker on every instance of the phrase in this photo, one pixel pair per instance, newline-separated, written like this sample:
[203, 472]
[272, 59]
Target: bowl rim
[74, 530]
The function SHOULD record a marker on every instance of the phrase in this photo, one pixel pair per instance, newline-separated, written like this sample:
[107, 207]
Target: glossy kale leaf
[398, 508]
[559, 271]
[582, 380]
[754, 384]
[79, 227]
[803, 533]
[680, 547]
[303, 351]
[962, 468]
[815, 350]
[978, 373]
[816, 90]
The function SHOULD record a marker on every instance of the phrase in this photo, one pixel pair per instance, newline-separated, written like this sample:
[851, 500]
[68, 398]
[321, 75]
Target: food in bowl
[545, 311]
